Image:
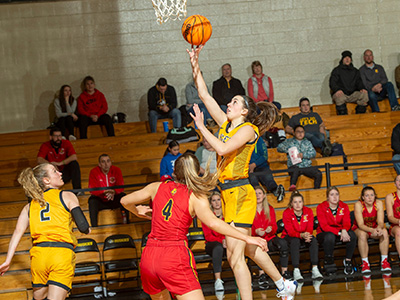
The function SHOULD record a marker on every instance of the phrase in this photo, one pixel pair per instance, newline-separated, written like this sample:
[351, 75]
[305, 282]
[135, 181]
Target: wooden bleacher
[138, 153]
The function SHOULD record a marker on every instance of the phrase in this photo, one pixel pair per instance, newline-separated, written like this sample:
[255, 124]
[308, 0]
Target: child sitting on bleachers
[171, 154]
[299, 153]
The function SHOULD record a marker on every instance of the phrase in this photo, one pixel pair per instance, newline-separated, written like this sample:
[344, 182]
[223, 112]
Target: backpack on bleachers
[182, 135]
[337, 150]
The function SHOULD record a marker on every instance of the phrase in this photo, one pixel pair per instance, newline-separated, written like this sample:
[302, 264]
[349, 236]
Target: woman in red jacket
[299, 226]
[92, 109]
[369, 222]
[333, 226]
[264, 225]
[215, 242]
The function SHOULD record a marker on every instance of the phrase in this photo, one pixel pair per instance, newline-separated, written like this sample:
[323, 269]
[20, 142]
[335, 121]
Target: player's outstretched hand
[198, 116]
[4, 268]
[142, 211]
[260, 242]
[194, 55]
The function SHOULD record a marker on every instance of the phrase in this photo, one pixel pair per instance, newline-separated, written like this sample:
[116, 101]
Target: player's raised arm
[212, 106]
[145, 194]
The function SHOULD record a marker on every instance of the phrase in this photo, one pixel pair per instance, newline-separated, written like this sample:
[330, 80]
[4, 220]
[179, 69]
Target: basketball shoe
[288, 291]
[365, 269]
[385, 266]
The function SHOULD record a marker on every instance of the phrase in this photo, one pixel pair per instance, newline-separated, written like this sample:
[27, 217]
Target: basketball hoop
[169, 9]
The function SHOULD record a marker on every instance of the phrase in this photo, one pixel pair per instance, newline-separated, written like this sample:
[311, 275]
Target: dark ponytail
[263, 114]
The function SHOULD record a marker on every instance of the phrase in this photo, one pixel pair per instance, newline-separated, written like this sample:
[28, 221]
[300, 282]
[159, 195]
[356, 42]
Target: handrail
[326, 166]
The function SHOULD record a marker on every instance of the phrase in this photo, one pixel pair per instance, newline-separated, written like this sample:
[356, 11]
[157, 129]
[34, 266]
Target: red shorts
[168, 265]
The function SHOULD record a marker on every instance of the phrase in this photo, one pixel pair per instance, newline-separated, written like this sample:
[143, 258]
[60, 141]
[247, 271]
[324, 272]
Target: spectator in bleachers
[260, 172]
[298, 230]
[106, 175]
[192, 97]
[61, 154]
[392, 202]
[92, 109]
[346, 86]
[264, 225]
[376, 83]
[369, 223]
[162, 103]
[395, 143]
[305, 151]
[225, 88]
[259, 86]
[65, 107]
[167, 164]
[215, 242]
[203, 154]
[313, 125]
[334, 225]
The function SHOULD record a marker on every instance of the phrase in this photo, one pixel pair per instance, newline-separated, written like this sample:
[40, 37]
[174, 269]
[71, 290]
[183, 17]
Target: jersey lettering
[45, 210]
[167, 210]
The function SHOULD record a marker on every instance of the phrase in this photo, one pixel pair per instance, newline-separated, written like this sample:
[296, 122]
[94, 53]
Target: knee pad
[361, 109]
[341, 109]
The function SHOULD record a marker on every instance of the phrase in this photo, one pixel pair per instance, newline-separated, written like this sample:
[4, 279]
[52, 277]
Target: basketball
[196, 30]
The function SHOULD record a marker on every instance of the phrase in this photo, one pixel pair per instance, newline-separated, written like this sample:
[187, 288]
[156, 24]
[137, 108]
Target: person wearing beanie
[377, 84]
[347, 87]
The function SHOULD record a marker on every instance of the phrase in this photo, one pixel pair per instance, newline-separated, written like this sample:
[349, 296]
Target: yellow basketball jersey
[235, 165]
[52, 223]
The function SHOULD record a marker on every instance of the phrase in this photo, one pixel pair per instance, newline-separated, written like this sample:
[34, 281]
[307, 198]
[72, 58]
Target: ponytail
[263, 114]
[32, 182]
[187, 169]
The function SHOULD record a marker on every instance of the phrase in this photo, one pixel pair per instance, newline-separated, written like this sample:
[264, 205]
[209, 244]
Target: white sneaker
[72, 137]
[288, 291]
[297, 275]
[219, 285]
[316, 274]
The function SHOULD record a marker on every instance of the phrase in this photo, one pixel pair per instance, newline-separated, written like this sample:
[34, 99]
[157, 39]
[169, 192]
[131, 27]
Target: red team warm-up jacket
[328, 222]
[293, 228]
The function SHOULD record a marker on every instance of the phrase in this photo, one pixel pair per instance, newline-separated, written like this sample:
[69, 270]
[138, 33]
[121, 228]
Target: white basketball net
[169, 9]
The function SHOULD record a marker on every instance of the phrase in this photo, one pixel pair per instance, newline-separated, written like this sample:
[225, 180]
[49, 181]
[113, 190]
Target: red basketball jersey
[396, 206]
[171, 218]
[370, 218]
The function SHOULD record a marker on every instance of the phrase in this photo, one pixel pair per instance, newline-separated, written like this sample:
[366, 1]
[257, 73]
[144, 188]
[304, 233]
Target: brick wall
[118, 42]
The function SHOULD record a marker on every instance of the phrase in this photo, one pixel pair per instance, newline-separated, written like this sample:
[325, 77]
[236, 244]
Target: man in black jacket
[162, 103]
[227, 87]
[346, 86]
[396, 147]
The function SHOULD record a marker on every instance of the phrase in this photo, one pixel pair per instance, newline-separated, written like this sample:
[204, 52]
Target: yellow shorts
[52, 265]
[239, 204]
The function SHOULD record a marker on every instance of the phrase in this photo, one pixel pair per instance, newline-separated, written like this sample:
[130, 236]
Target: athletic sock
[383, 257]
[365, 259]
[315, 267]
[280, 284]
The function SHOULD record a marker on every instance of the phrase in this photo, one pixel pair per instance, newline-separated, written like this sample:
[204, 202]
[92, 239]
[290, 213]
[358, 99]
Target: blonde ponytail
[32, 182]
[187, 169]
